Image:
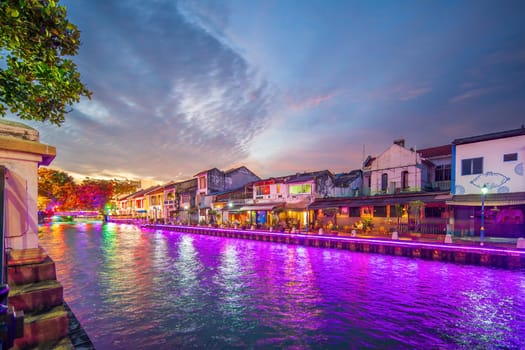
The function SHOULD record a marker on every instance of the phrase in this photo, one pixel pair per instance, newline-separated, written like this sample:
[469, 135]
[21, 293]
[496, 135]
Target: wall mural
[518, 169]
[490, 179]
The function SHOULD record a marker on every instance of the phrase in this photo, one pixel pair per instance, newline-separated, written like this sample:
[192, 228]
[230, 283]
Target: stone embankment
[34, 289]
[457, 253]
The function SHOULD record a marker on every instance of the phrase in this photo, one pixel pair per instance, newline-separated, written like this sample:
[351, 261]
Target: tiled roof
[445, 150]
[345, 179]
[492, 136]
[301, 177]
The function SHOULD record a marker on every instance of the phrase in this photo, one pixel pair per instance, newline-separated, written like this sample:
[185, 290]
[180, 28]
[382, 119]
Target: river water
[147, 289]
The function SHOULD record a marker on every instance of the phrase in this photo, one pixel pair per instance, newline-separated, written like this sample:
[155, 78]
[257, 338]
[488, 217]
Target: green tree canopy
[37, 82]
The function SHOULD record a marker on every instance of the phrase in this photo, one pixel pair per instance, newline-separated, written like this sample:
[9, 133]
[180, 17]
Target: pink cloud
[409, 94]
[400, 92]
[473, 93]
[310, 102]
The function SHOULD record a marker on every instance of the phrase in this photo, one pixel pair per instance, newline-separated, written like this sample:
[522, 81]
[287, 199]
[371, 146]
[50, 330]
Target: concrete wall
[239, 177]
[21, 193]
[497, 175]
[393, 162]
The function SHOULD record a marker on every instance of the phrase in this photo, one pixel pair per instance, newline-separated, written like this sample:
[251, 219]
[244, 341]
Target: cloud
[471, 94]
[412, 93]
[309, 102]
[168, 94]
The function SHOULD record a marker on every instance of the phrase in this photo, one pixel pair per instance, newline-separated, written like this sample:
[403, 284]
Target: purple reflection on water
[160, 289]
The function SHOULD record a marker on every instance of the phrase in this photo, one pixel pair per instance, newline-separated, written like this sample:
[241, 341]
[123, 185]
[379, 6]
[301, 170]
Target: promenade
[467, 250]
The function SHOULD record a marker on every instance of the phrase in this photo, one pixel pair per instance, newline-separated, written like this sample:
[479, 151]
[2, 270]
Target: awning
[380, 200]
[491, 199]
[487, 203]
[267, 207]
[296, 205]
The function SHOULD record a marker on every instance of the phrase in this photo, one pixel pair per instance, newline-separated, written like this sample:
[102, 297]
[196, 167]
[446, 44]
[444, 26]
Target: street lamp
[484, 191]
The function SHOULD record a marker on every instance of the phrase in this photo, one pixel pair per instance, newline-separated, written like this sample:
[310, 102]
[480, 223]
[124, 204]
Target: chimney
[400, 142]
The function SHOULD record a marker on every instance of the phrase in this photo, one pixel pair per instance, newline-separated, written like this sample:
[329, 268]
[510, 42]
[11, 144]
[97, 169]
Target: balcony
[441, 185]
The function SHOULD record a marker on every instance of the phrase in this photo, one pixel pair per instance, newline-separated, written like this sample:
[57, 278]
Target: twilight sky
[284, 86]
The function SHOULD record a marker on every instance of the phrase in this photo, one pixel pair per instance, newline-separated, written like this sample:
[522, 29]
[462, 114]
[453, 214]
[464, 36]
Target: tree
[121, 187]
[57, 187]
[37, 82]
[398, 210]
[415, 210]
[94, 194]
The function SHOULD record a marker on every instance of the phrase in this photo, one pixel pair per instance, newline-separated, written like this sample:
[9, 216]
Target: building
[491, 163]
[397, 169]
[212, 181]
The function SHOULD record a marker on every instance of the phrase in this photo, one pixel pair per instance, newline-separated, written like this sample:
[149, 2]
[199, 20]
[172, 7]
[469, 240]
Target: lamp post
[484, 191]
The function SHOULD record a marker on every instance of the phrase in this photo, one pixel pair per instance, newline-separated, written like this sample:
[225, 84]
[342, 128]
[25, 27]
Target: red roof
[438, 151]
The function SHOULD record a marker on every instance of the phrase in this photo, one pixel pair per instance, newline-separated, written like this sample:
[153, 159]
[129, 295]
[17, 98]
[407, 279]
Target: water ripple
[157, 290]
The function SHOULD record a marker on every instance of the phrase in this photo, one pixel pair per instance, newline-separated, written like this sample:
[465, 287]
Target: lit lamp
[484, 191]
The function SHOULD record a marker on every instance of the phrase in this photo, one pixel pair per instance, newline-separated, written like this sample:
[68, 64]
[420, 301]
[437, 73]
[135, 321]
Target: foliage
[94, 194]
[398, 210]
[58, 189]
[367, 224]
[55, 186]
[122, 187]
[37, 82]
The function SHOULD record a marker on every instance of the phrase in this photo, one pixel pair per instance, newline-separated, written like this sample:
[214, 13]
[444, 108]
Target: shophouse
[488, 184]
[137, 204]
[283, 202]
[212, 181]
[124, 205]
[347, 184]
[399, 192]
[170, 205]
[154, 203]
[226, 206]
[185, 205]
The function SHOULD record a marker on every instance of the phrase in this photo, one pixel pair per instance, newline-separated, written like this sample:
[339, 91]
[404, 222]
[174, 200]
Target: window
[380, 211]
[184, 198]
[472, 166]
[510, 157]
[431, 212]
[301, 189]
[262, 190]
[355, 212]
[384, 182]
[443, 172]
[404, 180]
[202, 182]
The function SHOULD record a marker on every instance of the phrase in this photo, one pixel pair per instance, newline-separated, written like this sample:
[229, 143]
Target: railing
[11, 322]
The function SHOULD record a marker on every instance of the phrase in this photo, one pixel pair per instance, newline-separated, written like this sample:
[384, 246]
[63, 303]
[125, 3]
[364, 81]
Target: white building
[396, 170]
[494, 162]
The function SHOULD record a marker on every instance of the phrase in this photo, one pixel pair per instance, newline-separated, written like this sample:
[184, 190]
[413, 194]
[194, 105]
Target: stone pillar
[21, 153]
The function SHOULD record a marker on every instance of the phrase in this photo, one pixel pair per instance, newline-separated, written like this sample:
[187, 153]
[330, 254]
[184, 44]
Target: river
[148, 289]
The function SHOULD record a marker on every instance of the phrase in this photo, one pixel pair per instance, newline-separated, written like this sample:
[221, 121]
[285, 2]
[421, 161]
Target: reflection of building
[493, 161]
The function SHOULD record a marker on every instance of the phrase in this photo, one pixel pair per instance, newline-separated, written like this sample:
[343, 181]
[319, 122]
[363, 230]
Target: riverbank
[493, 253]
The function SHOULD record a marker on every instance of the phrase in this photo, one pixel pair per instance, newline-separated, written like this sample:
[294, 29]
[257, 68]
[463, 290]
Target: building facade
[488, 182]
